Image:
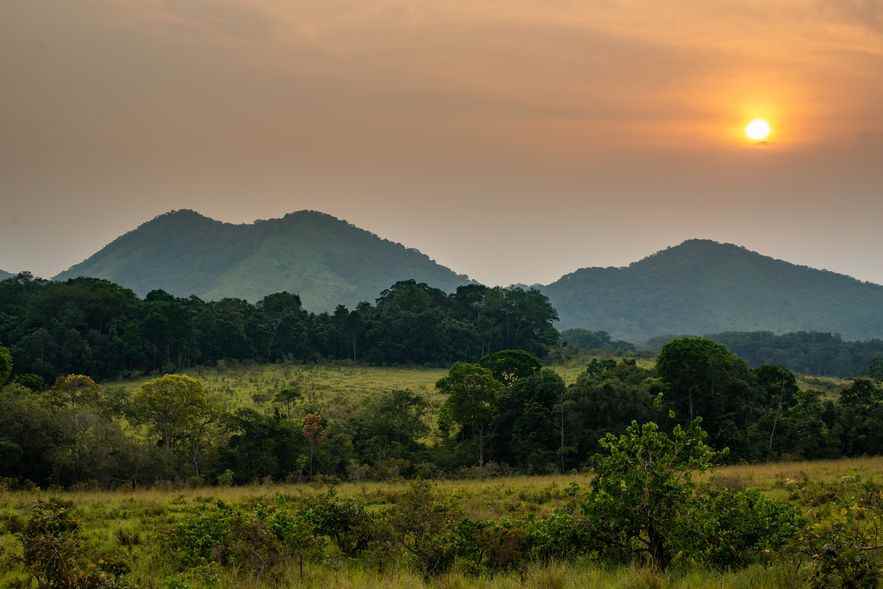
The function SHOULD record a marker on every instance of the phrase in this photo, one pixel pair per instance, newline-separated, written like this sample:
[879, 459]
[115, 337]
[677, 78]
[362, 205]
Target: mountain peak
[702, 286]
[326, 260]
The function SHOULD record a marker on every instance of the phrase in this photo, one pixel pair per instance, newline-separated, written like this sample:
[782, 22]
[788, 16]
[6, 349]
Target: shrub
[491, 546]
[55, 553]
[562, 535]
[425, 525]
[257, 540]
[732, 529]
[345, 521]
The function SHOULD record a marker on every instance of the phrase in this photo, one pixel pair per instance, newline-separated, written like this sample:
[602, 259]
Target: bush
[258, 540]
[55, 553]
[491, 546]
[345, 521]
[563, 535]
[732, 529]
[425, 525]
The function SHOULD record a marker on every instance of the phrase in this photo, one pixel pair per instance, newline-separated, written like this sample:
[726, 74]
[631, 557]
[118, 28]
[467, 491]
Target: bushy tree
[643, 483]
[473, 396]
[179, 412]
[705, 380]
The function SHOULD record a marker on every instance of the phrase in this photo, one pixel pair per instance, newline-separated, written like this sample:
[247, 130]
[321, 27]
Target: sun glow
[758, 131]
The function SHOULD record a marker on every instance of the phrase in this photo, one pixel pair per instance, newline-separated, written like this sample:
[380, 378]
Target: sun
[758, 131]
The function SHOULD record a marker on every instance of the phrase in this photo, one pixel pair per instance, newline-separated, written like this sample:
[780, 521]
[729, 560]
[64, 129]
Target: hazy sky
[513, 140]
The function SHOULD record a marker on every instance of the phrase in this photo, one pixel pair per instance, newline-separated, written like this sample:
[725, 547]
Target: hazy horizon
[514, 142]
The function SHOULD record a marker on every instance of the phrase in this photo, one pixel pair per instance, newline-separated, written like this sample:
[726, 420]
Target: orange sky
[511, 140]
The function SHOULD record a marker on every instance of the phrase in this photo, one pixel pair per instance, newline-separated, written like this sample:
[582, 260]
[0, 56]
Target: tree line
[504, 413]
[822, 354]
[94, 327]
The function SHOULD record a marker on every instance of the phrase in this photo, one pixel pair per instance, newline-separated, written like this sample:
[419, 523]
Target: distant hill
[702, 287]
[323, 259]
[5, 275]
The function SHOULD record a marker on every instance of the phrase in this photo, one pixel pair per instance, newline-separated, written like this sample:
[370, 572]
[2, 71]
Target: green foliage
[705, 379]
[842, 543]
[257, 540]
[875, 369]
[643, 483]
[179, 413]
[492, 546]
[561, 536]
[583, 340]
[702, 287]
[508, 366]
[816, 353]
[473, 397]
[389, 427]
[326, 260]
[426, 526]
[5, 365]
[729, 529]
[345, 521]
[57, 556]
[90, 326]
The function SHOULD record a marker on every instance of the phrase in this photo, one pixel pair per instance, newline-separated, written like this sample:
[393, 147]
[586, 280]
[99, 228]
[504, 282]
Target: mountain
[5, 275]
[702, 287]
[325, 260]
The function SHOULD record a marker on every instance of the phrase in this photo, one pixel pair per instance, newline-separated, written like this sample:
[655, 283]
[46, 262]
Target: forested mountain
[702, 287]
[326, 261]
[5, 275]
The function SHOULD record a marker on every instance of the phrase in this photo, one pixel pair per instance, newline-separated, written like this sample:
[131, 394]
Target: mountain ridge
[326, 260]
[702, 286]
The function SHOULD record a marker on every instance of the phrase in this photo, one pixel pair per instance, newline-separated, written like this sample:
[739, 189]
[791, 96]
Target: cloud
[866, 13]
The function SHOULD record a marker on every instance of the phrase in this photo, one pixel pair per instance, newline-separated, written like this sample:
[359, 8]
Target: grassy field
[250, 385]
[143, 513]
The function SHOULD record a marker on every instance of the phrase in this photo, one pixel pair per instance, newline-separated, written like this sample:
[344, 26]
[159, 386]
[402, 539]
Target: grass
[343, 388]
[145, 511]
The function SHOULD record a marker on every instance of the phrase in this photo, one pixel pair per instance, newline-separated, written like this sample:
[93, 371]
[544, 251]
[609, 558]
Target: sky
[511, 140]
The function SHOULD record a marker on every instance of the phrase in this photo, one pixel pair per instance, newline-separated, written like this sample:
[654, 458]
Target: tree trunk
[773, 430]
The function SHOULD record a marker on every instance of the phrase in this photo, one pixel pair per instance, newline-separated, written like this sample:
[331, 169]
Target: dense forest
[91, 326]
[703, 287]
[325, 260]
[822, 354]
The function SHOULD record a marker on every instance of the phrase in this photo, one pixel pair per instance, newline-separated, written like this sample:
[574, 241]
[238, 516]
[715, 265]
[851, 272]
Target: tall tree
[473, 397]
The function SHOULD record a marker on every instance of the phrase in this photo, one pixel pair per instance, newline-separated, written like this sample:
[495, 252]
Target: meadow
[137, 519]
[249, 385]
[137, 529]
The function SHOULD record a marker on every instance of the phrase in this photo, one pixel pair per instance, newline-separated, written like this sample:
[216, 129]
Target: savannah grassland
[142, 515]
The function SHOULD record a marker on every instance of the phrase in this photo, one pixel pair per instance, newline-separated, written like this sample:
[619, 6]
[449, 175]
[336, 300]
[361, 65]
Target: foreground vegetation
[504, 532]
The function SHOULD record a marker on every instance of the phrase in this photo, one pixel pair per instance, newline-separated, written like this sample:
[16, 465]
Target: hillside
[323, 259]
[5, 275]
[702, 287]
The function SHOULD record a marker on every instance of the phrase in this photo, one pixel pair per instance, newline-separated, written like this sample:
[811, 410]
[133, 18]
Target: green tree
[390, 426]
[473, 397]
[5, 365]
[179, 411]
[643, 481]
[705, 380]
[875, 369]
[508, 366]
[779, 388]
